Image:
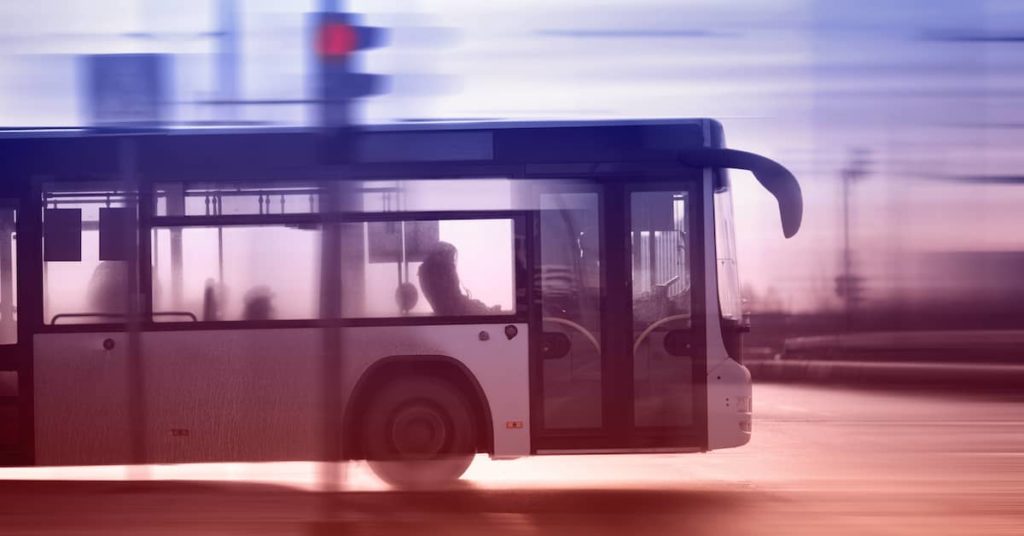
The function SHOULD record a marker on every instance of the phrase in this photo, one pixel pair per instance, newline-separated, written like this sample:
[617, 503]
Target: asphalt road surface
[823, 461]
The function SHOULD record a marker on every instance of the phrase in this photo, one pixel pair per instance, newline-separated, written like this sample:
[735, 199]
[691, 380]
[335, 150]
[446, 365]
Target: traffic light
[336, 39]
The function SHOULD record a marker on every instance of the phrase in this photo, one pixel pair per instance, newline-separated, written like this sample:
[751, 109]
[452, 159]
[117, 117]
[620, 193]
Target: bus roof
[425, 125]
[446, 149]
[240, 153]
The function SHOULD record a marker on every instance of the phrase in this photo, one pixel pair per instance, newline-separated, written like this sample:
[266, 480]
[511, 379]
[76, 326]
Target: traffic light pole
[336, 39]
[332, 472]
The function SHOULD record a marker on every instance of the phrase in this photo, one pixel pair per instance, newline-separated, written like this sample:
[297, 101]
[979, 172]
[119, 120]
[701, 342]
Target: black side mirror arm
[773, 176]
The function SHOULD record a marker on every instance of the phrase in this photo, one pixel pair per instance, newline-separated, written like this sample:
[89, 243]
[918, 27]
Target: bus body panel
[245, 394]
[729, 387]
[729, 406]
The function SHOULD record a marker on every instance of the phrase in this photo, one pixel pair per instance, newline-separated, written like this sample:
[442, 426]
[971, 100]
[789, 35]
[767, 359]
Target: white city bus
[409, 295]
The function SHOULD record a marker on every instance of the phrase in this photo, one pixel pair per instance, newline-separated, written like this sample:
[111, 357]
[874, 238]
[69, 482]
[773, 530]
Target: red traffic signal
[337, 36]
[336, 39]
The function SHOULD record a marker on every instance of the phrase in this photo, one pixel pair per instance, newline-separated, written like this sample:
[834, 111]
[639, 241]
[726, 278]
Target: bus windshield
[730, 301]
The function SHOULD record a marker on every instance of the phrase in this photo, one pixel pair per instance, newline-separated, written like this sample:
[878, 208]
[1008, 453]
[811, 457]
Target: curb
[909, 373]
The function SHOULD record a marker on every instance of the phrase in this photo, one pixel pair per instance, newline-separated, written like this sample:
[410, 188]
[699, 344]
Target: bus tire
[419, 432]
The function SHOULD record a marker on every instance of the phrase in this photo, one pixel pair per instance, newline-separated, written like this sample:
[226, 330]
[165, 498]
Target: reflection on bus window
[661, 281]
[729, 301]
[428, 268]
[570, 291]
[661, 309]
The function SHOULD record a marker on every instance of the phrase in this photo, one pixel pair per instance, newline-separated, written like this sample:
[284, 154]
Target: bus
[409, 295]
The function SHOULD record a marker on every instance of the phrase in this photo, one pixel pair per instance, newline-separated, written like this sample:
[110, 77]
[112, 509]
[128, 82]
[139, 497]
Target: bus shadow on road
[196, 506]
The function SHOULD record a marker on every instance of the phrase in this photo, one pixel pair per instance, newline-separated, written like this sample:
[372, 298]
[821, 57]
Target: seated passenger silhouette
[211, 310]
[106, 290]
[259, 304]
[439, 280]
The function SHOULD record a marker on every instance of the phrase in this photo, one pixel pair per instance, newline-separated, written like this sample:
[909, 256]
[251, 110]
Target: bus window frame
[39, 186]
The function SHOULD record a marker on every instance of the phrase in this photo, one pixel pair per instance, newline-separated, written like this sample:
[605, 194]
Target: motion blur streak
[927, 92]
[822, 461]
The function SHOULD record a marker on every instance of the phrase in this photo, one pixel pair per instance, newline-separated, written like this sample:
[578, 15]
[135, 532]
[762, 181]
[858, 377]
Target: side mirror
[771, 174]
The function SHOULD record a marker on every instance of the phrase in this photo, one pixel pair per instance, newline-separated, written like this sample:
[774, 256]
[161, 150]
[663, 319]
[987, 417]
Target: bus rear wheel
[419, 433]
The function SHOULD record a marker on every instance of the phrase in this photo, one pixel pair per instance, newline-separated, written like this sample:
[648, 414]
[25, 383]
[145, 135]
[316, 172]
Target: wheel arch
[395, 366]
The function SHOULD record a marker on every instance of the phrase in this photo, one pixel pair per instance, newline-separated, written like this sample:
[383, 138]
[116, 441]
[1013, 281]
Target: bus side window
[429, 268]
[85, 253]
[235, 272]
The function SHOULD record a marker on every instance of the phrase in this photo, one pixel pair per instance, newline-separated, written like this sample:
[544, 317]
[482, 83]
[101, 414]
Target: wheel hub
[418, 432]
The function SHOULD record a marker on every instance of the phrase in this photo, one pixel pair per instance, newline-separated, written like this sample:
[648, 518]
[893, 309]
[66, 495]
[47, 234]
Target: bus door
[11, 404]
[619, 365]
[661, 370]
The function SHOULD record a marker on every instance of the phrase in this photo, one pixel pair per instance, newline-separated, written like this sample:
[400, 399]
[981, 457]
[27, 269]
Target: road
[822, 461]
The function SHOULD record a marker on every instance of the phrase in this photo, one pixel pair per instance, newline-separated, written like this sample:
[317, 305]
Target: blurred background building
[903, 120]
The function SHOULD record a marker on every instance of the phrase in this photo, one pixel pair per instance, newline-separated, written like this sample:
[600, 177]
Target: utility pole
[849, 286]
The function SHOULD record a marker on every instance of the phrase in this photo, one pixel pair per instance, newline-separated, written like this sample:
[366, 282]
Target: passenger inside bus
[105, 292]
[211, 310]
[259, 304]
[439, 280]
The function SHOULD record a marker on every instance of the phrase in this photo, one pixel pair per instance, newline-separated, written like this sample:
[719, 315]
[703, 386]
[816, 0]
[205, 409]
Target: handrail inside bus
[657, 324]
[53, 321]
[582, 330]
[772, 175]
